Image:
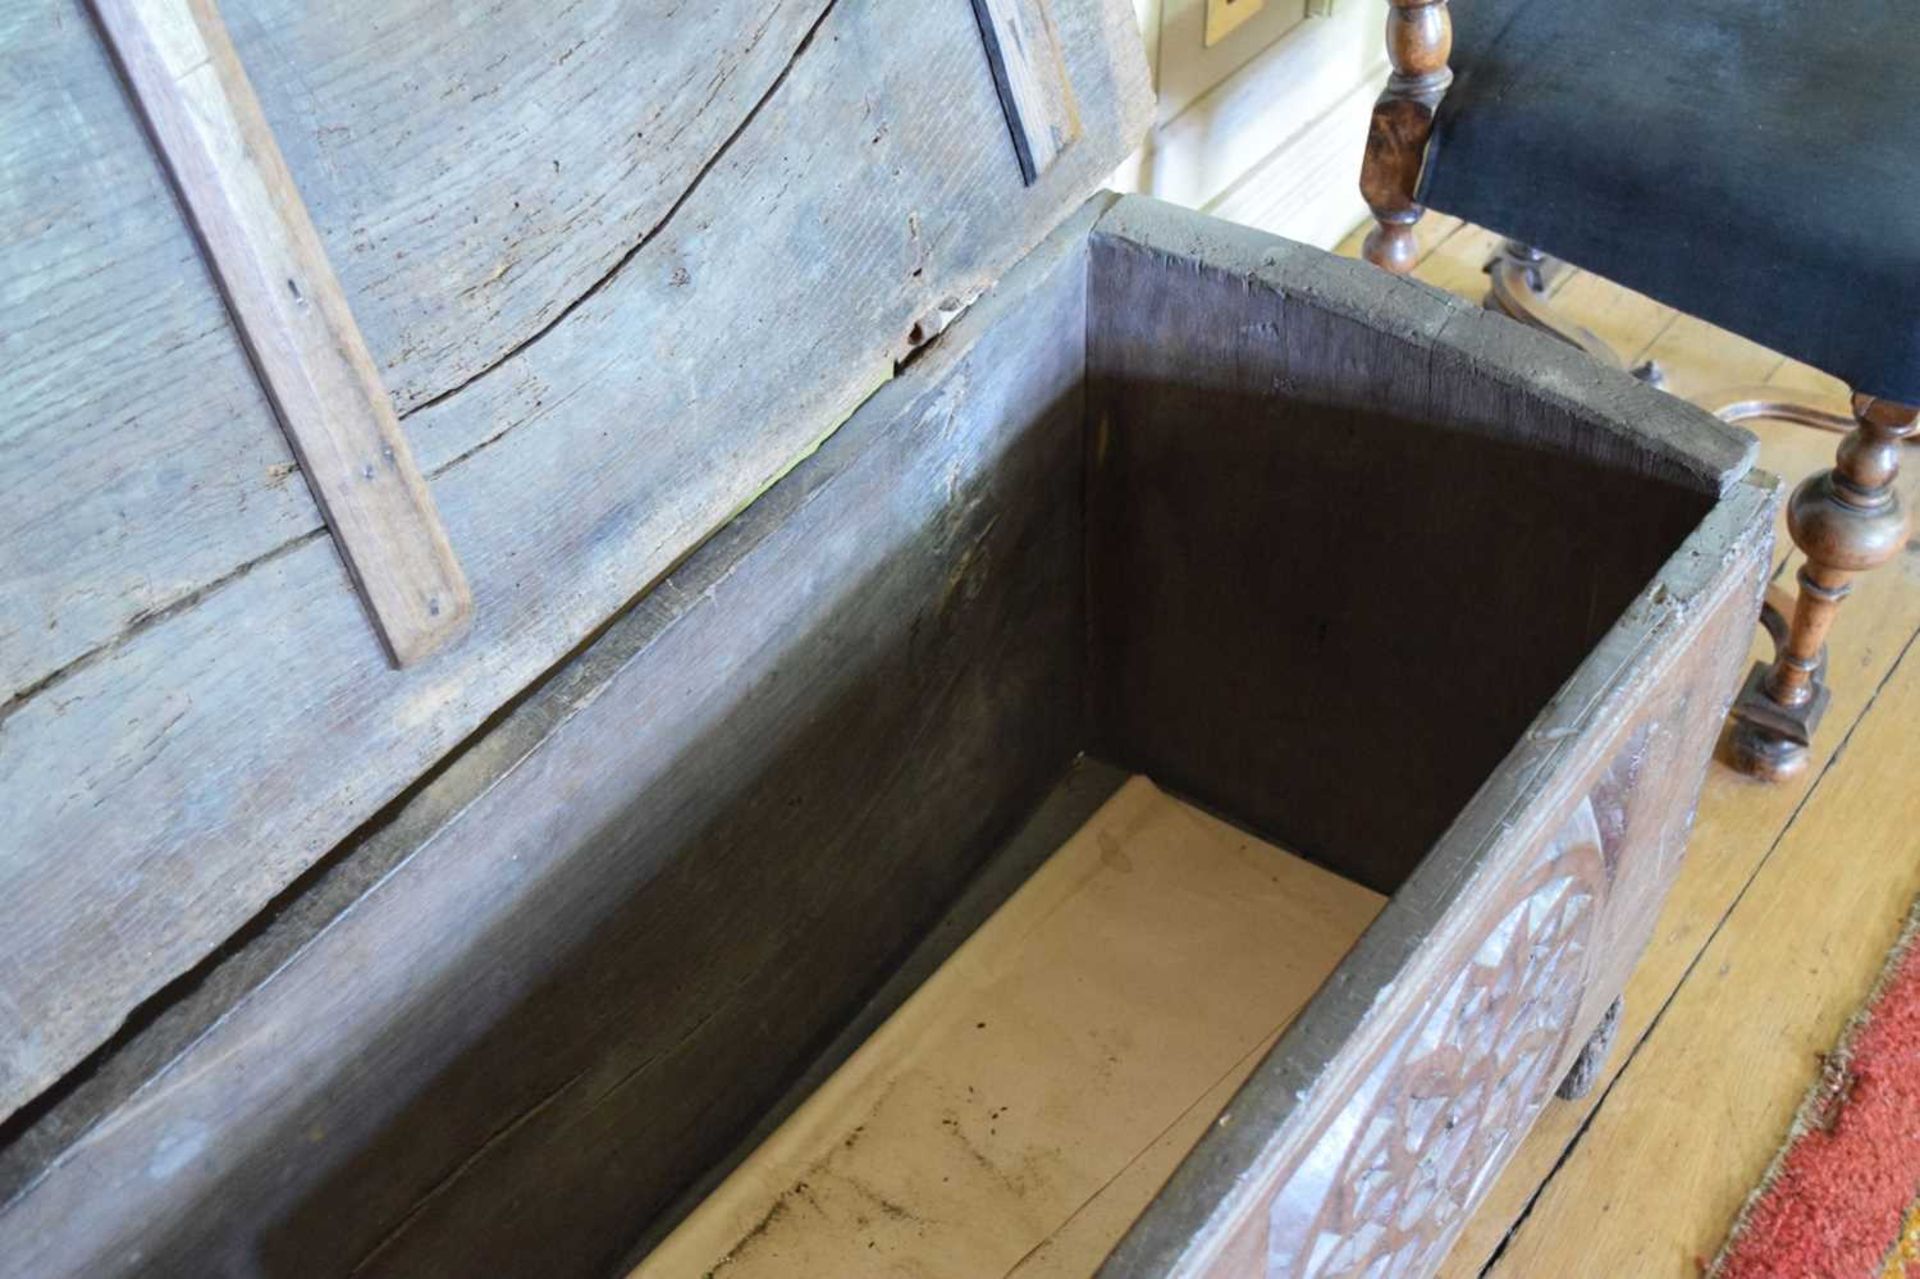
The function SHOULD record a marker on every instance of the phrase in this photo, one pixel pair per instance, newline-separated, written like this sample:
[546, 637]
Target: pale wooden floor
[1789, 900]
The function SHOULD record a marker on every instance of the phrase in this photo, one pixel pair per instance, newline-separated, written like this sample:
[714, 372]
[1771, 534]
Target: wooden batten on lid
[295, 320]
[1024, 51]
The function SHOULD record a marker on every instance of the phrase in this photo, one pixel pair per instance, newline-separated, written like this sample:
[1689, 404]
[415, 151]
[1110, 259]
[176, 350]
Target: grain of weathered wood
[1031, 1079]
[473, 178]
[296, 322]
[1024, 52]
[139, 458]
[470, 187]
[756, 319]
[426, 152]
[630, 914]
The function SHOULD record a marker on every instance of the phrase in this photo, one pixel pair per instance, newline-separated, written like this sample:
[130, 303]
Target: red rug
[1842, 1200]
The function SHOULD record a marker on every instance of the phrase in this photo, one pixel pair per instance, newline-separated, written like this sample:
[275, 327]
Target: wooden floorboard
[1782, 915]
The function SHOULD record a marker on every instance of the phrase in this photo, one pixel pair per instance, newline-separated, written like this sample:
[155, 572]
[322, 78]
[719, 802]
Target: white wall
[1266, 127]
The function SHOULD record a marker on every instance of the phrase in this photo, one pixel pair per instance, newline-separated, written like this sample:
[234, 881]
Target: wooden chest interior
[1372, 575]
[845, 512]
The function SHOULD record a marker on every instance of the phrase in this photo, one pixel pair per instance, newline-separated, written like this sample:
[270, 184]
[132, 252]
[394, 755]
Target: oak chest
[838, 478]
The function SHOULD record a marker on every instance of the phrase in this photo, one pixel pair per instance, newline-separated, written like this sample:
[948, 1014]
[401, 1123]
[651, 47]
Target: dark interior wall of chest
[1327, 552]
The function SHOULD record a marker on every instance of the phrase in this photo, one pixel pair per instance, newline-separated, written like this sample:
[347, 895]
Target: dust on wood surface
[1015, 1115]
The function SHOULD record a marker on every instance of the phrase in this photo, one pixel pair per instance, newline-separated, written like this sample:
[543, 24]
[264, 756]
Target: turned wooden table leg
[1846, 520]
[1419, 41]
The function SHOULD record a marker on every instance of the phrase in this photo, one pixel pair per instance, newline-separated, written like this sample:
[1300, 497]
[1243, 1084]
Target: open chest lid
[618, 267]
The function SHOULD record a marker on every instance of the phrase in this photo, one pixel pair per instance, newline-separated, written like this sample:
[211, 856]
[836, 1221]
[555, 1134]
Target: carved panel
[1408, 1155]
